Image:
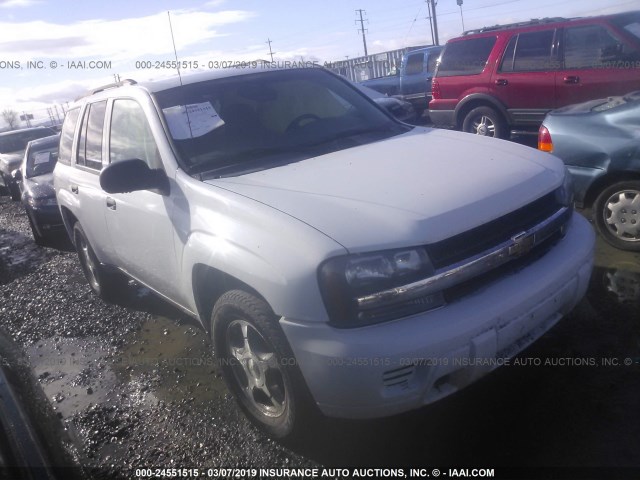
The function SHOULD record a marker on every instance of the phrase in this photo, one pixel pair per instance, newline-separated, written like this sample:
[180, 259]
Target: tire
[485, 121]
[40, 240]
[617, 215]
[258, 365]
[107, 284]
[14, 190]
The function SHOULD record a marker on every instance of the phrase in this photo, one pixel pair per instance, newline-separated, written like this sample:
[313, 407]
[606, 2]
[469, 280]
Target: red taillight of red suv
[435, 90]
[544, 140]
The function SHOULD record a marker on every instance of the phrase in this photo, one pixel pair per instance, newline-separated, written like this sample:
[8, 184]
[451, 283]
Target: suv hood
[419, 187]
[10, 161]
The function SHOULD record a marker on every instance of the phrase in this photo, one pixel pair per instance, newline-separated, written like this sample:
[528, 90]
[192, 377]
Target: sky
[52, 51]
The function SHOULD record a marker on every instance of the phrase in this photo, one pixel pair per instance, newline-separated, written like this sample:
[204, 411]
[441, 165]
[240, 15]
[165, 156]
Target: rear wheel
[617, 215]
[258, 365]
[107, 284]
[485, 121]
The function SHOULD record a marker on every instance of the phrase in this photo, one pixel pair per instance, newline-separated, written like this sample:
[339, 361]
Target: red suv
[495, 79]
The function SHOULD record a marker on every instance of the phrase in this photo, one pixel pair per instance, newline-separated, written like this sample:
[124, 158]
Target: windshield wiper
[257, 156]
[353, 132]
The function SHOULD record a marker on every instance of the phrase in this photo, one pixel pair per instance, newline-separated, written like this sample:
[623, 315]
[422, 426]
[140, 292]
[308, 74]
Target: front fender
[279, 265]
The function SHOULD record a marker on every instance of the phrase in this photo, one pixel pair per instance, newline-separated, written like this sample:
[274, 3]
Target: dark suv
[495, 79]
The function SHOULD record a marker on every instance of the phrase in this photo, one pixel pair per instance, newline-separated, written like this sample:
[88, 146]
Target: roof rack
[533, 21]
[122, 83]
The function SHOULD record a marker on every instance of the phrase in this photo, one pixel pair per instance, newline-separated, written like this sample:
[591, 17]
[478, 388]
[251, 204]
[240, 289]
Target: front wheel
[617, 215]
[41, 240]
[107, 284]
[485, 121]
[258, 365]
[14, 190]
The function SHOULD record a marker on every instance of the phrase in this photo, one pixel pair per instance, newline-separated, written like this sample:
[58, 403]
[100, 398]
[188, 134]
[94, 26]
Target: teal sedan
[599, 141]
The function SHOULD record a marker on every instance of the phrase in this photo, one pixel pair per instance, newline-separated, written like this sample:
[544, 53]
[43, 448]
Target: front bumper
[46, 219]
[397, 366]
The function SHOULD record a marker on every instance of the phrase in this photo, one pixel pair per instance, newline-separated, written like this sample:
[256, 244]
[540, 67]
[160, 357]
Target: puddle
[19, 255]
[175, 358]
[73, 373]
[164, 362]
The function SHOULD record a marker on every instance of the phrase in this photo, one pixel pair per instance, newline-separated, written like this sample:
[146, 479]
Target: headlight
[349, 285]
[42, 202]
[564, 194]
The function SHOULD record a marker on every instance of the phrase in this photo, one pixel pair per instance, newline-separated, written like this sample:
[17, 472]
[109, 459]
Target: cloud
[116, 39]
[17, 3]
[53, 45]
[214, 3]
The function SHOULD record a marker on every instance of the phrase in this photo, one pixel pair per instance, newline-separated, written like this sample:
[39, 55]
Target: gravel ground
[135, 384]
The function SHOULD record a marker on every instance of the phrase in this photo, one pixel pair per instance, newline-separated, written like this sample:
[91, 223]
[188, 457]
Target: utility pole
[433, 40]
[270, 52]
[362, 29]
[432, 10]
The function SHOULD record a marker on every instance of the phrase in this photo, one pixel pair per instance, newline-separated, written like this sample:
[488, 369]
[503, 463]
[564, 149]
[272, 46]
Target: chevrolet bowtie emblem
[522, 243]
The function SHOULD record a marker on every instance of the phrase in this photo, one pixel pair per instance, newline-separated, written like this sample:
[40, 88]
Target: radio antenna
[175, 52]
[186, 107]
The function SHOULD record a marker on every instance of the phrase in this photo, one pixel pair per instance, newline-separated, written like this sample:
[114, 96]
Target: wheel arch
[209, 284]
[605, 182]
[475, 100]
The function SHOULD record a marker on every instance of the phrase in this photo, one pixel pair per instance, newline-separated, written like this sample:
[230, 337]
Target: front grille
[467, 288]
[472, 242]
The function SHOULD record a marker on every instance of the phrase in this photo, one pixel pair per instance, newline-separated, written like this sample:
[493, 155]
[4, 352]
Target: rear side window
[592, 46]
[90, 146]
[414, 64]
[432, 61]
[629, 22]
[66, 137]
[466, 57]
[131, 135]
[529, 52]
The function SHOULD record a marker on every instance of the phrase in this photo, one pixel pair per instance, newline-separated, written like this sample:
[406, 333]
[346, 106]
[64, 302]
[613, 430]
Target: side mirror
[132, 176]
[17, 175]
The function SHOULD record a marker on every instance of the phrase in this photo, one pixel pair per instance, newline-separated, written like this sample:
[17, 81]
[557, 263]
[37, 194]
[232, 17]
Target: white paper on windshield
[193, 120]
[41, 157]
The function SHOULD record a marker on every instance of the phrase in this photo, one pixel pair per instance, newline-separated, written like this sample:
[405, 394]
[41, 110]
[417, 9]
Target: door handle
[501, 82]
[111, 203]
[571, 79]
[74, 189]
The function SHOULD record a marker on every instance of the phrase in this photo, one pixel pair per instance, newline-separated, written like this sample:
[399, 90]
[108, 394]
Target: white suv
[341, 260]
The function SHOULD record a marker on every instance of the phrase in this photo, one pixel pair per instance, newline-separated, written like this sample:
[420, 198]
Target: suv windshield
[244, 123]
[41, 161]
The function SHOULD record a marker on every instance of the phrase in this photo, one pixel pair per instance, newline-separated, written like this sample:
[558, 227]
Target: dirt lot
[135, 385]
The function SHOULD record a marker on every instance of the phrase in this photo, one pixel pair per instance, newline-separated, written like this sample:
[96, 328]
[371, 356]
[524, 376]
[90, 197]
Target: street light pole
[461, 17]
